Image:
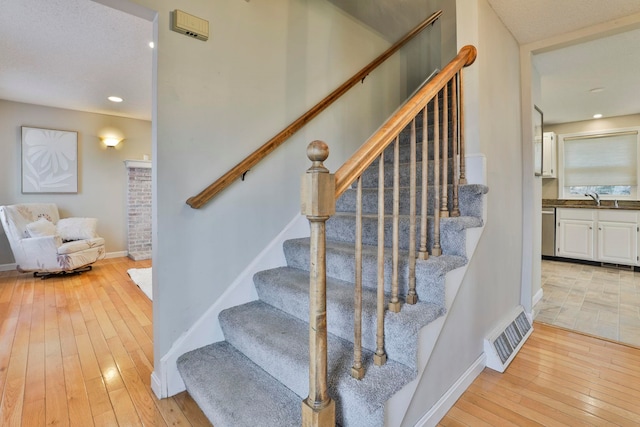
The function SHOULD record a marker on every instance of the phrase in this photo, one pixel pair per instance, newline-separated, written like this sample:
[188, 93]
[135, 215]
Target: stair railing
[239, 170]
[321, 189]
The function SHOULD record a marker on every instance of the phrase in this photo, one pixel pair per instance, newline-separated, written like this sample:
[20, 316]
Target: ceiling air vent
[502, 345]
[189, 25]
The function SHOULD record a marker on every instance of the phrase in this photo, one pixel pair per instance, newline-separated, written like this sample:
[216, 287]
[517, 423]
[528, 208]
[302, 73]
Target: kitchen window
[604, 162]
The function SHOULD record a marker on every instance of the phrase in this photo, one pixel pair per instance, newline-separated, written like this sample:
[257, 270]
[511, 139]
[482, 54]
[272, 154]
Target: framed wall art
[49, 161]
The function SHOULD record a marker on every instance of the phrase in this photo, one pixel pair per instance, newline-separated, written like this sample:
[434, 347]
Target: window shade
[601, 160]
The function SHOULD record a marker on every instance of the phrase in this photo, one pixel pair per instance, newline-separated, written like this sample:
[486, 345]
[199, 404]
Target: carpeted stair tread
[347, 201]
[405, 149]
[341, 227]
[470, 199]
[216, 372]
[288, 290]
[279, 344]
[370, 175]
[467, 194]
[341, 264]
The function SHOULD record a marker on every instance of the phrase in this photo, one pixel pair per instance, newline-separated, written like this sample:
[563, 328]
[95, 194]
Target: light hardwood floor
[78, 351]
[559, 378]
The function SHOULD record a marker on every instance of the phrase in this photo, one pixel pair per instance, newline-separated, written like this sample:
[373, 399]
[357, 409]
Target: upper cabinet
[549, 163]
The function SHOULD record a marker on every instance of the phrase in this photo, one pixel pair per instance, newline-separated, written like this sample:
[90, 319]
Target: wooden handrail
[321, 190]
[376, 144]
[238, 170]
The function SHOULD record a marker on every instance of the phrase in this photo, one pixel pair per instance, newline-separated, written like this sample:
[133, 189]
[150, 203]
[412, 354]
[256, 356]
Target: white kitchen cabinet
[617, 236]
[617, 242]
[605, 235]
[549, 162]
[575, 239]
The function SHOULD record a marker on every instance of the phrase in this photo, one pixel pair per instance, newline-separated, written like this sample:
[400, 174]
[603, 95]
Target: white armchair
[44, 244]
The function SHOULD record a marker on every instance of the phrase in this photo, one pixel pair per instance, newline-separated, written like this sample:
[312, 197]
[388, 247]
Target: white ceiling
[568, 74]
[74, 53]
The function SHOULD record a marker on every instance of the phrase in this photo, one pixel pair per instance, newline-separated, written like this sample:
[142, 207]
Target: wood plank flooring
[78, 351]
[559, 378]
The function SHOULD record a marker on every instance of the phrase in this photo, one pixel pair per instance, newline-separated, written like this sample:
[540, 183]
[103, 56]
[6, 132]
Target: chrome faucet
[594, 196]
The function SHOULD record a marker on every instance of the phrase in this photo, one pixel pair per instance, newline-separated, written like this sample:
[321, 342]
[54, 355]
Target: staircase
[259, 375]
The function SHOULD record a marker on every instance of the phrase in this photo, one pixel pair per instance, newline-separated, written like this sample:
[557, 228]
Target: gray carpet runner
[258, 376]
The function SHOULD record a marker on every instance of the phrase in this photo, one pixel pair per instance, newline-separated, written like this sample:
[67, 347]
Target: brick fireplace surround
[139, 209]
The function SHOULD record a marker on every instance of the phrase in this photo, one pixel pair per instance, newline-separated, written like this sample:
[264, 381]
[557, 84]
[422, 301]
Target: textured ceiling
[73, 54]
[568, 74]
[533, 20]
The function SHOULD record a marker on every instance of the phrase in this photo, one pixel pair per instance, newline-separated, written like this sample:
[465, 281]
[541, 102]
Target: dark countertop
[590, 204]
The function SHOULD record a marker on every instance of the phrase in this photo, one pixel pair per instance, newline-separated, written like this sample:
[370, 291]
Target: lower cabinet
[605, 235]
[575, 239]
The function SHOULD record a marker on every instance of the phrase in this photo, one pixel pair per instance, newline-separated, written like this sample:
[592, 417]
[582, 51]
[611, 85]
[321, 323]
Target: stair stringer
[206, 329]
[396, 407]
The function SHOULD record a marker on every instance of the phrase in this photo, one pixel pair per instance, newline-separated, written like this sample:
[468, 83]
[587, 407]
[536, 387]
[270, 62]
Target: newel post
[318, 204]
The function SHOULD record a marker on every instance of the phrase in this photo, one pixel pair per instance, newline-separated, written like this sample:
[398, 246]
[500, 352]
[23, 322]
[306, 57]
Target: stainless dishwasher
[548, 232]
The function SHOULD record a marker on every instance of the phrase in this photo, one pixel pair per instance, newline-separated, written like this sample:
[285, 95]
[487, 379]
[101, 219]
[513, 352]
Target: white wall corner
[446, 402]
[206, 330]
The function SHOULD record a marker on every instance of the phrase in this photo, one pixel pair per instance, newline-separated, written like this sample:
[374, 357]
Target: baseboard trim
[7, 267]
[156, 385]
[118, 254]
[537, 297]
[446, 402]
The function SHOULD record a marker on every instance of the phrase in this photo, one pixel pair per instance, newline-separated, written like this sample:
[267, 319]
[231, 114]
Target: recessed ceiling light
[115, 99]
[596, 89]
[152, 45]
[597, 116]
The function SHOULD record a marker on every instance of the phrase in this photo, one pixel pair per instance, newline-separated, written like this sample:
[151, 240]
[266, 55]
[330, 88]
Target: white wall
[102, 176]
[265, 64]
[532, 203]
[492, 284]
[550, 186]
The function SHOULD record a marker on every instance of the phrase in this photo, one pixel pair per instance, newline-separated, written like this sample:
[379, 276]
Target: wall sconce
[111, 141]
